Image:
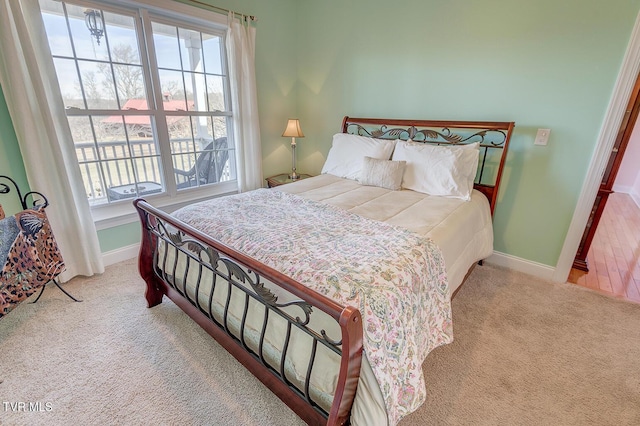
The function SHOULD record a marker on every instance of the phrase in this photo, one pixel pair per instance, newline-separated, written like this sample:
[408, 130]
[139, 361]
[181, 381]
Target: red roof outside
[141, 104]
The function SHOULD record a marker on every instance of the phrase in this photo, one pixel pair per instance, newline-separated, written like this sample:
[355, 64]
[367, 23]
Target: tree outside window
[145, 118]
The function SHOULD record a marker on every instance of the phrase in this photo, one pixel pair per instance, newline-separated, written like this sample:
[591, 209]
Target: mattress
[462, 229]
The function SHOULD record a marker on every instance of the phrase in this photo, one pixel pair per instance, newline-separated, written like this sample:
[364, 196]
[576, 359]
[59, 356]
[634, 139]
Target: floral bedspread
[395, 277]
[30, 254]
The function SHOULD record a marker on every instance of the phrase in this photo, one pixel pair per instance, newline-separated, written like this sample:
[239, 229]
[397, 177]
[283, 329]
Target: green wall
[543, 64]
[119, 236]
[10, 160]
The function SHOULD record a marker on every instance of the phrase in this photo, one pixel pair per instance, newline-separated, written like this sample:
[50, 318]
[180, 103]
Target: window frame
[144, 13]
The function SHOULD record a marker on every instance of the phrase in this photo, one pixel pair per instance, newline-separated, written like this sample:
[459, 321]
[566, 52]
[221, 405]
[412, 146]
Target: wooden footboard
[217, 267]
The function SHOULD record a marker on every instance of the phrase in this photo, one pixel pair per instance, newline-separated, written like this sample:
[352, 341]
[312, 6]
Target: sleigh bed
[332, 290]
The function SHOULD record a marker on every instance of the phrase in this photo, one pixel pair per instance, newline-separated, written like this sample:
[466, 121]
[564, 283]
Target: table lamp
[294, 131]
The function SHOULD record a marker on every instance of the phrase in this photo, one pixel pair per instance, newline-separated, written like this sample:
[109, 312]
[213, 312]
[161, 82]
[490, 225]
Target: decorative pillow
[447, 171]
[382, 173]
[347, 153]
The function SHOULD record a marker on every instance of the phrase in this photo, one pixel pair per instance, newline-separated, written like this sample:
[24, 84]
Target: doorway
[611, 126]
[609, 177]
[613, 259]
[608, 255]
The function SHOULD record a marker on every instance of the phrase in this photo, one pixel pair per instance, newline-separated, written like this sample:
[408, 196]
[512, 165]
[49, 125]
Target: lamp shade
[293, 129]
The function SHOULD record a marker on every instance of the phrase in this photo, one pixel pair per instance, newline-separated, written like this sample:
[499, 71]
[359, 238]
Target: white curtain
[28, 80]
[241, 43]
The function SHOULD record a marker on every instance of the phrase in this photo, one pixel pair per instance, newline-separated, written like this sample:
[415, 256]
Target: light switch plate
[542, 137]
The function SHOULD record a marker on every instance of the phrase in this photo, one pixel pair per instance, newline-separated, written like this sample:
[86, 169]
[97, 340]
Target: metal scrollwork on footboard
[239, 297]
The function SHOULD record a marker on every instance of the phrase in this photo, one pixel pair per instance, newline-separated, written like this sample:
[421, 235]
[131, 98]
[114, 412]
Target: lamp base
[294, 176]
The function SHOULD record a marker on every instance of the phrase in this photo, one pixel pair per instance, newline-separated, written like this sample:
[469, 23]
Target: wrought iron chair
[208, 167]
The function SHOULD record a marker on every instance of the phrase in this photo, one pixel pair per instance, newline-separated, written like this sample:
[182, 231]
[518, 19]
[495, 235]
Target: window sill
[123, 212]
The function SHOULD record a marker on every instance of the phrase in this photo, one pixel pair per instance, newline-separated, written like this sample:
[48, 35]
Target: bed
[332, 290]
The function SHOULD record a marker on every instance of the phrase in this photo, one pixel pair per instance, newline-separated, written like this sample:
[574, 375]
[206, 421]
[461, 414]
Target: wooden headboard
[493, 138]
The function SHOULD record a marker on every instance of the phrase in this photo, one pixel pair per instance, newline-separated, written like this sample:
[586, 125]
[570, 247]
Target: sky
[121, 32]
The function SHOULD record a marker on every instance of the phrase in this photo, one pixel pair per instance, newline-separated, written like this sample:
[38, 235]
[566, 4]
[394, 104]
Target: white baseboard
[118, 255]
[630, 190]
[625, 189]
[636, 198]
[521, 265]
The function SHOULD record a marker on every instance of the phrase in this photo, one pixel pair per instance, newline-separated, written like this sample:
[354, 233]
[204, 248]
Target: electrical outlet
[542, 137]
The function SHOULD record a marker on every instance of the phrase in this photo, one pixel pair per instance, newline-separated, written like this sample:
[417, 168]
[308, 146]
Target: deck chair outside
[208, 167]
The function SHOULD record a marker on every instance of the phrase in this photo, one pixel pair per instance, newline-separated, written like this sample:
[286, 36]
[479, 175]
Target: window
[146, 97]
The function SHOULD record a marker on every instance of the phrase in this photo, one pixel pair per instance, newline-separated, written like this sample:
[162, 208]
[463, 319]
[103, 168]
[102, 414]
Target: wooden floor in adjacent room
[614, 256]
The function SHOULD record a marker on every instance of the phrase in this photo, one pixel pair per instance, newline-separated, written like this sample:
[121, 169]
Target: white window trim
[174, 9]
[122, 213]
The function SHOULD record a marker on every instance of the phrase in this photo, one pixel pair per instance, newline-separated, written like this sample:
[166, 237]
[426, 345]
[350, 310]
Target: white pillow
[347, 153]
[447, 171]
[382, 173]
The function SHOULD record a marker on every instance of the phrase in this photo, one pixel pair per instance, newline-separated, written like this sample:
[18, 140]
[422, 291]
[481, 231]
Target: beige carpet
[525, 352]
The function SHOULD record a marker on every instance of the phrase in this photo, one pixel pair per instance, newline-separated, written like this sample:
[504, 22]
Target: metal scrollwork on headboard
[492, 136]
[443, 136]
[38, 199]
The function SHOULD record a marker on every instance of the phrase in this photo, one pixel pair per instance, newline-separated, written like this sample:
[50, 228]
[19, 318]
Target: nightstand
[283, 178]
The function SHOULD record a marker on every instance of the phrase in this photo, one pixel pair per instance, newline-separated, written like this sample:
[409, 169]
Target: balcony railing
[116, 164]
